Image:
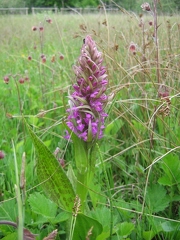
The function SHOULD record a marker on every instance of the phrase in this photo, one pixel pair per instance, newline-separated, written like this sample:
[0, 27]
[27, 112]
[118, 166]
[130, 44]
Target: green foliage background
[133, 5]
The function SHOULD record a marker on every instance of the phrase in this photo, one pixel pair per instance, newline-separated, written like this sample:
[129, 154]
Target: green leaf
[170, 226]
[8, 210]
[125, 229]
[61, 217]
[80, 153]
[71, 176]
[11, 236]
[83, 225]
[148, 235]
[157, 199]
[42, 205]
[51, 175]
[171, 168]
[99, 214]
[113, 127]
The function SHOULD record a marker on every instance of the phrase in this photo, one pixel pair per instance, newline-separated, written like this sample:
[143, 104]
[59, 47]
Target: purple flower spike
[86, 114]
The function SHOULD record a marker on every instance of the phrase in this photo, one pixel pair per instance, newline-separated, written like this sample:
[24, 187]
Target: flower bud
[2, 155]
[6, 79]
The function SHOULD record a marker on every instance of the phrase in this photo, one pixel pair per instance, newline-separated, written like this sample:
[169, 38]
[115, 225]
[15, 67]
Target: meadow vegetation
[134, 192]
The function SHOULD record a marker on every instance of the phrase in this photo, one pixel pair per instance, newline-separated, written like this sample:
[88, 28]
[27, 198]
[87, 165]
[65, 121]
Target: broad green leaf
[157, 199]
[84, 224]
[95, 190]
[42, 205]
[61, 217]
[148, 235]
[171, 168]
[99, 214]
[170, 226]
[125, 229]
[11, 236]
[104, 235]
[8, 210]
[51, 175]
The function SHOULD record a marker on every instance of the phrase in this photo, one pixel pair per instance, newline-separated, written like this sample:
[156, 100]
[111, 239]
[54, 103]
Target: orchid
[86, 113]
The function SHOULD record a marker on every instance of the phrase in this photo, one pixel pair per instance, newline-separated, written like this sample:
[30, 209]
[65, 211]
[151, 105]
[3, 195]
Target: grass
[136, 179]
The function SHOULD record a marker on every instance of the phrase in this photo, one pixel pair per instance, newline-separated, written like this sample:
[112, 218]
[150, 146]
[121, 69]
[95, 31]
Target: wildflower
[41, 28]
[146, 7]
[6, 79]
[43, 58]
[132, 48]
[2, 155]
[34, 28]
[49, 20]
[86, 113]
[61, 57]
[29, 58]
[21, 80]
[150, 23]
[163, 91]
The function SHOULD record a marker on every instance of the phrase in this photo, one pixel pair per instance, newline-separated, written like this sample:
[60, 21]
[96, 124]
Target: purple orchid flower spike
[86, 113]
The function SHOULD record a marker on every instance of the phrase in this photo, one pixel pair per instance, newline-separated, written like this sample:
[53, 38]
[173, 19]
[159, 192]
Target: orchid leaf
[52, 176]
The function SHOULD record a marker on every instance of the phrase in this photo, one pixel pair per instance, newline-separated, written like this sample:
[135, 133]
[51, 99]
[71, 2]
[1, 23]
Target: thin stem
[18, 198]
[72, 227]
[156, 41]
[20, 108]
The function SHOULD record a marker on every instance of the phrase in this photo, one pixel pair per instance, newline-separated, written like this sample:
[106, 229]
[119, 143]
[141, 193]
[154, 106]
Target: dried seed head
[150, 23]
[53, 59]
[163, 91]
[146, 7]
